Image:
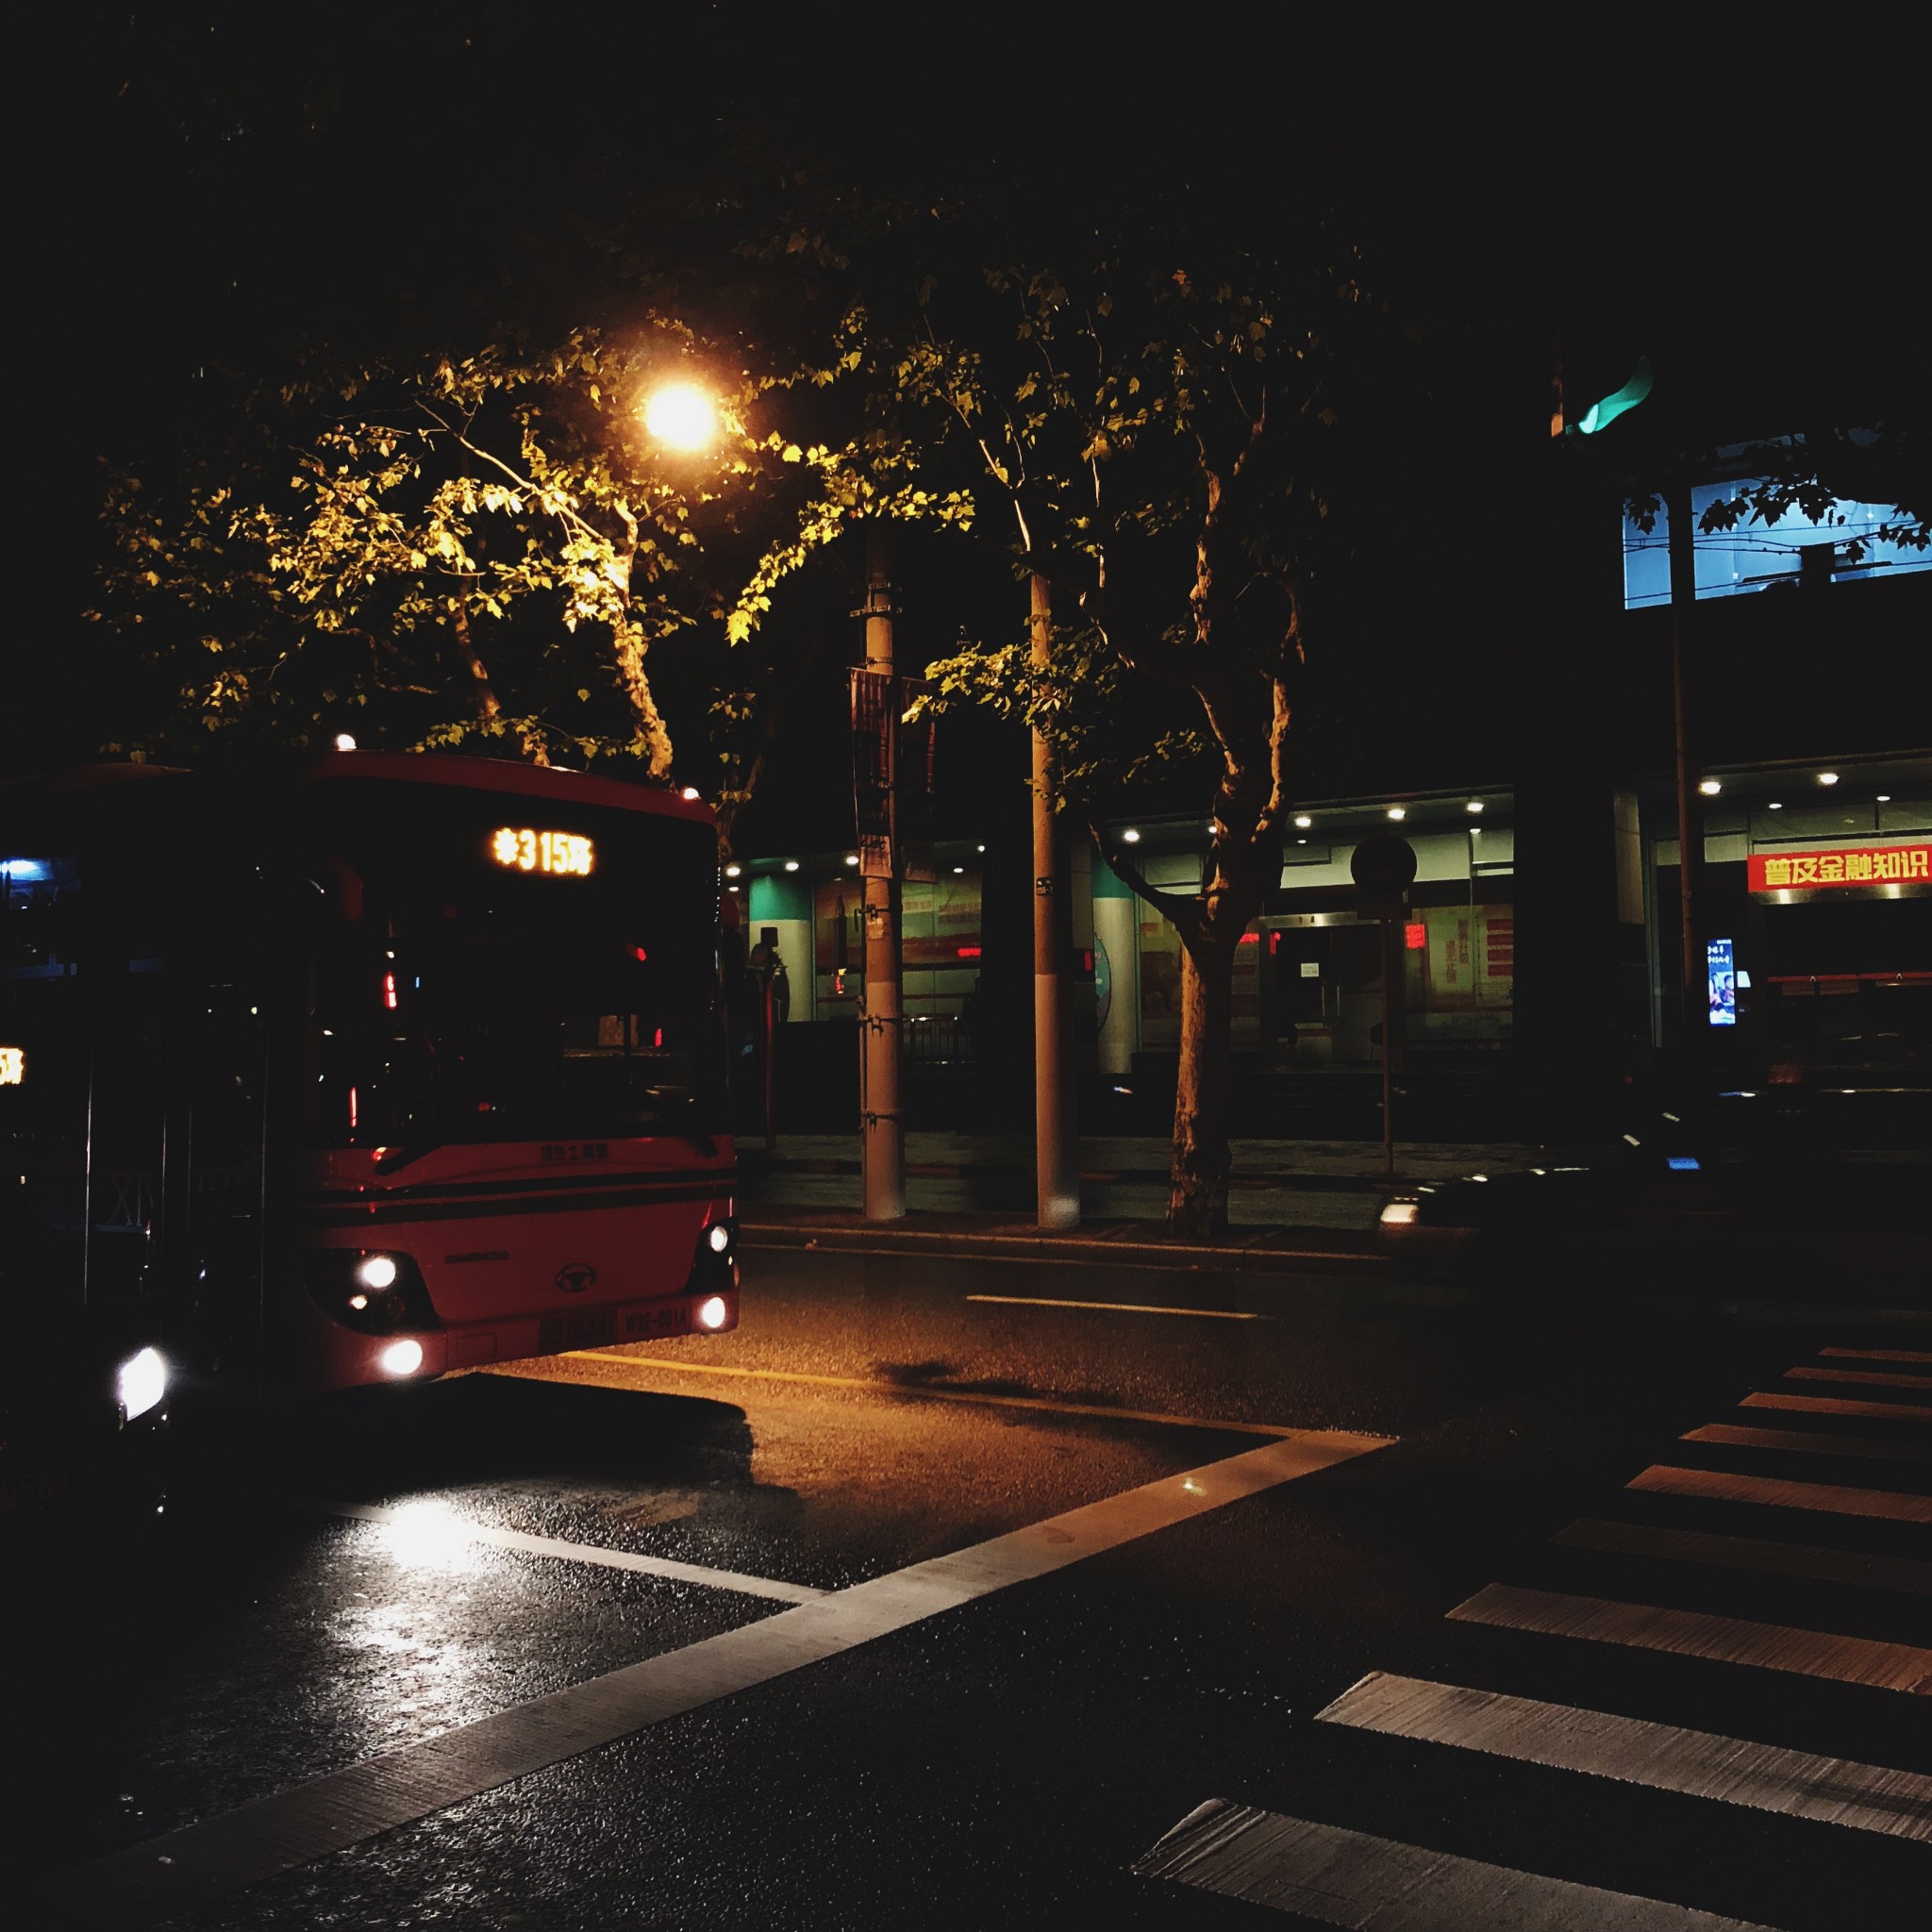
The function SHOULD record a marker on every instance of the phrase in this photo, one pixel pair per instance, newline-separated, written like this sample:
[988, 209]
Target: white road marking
[1041, 1301]
[1840, 1499]
[458, 1528]
[1856, 1567]
[1880, 1354]
[1691, 1633]
[148, 1883]
[1700, 1764]
[1810, 1443]
[1836, 1405]
[1380, 1885]
[1877, 1379]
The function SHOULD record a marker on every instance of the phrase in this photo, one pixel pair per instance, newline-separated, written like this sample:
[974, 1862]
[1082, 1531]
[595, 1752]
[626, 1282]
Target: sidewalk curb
[1247, 1250]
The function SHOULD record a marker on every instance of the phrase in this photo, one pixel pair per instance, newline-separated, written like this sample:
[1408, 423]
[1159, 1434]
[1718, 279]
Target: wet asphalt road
[1011, 1756]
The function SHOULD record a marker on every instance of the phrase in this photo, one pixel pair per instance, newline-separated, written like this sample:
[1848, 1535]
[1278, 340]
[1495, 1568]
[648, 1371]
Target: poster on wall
[1723, 976]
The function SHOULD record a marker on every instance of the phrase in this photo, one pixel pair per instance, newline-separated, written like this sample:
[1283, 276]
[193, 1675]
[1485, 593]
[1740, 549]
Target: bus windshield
[489, 967]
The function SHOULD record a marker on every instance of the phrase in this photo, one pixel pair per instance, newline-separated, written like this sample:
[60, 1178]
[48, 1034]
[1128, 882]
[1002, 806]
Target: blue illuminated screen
[1723, 983]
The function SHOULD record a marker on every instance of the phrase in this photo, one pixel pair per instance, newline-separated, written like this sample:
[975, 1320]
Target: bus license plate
[669, 1317]
[580, 1328]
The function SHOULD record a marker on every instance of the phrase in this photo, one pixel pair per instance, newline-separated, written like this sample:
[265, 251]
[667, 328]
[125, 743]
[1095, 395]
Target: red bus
[397, 1065]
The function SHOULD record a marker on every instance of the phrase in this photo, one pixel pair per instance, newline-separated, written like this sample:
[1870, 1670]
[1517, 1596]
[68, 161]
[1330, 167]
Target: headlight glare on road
[401, 1358]
[1399, 1213]
[713, 1312]
[141, 1383]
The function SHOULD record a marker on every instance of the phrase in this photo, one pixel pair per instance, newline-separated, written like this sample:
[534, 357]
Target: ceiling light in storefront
[1301, 818]
[1827, 778]
[1709, 787]
[1473, 805]
[1395, 811]
[1130, 836]
[792, 865]
[731, 872]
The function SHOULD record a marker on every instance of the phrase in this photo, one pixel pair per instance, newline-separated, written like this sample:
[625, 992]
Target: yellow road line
[1044, 1301]
[872, 1386]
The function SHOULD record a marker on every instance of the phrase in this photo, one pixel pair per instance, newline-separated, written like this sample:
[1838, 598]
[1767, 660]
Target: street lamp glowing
[1709, 787]
[682, 416]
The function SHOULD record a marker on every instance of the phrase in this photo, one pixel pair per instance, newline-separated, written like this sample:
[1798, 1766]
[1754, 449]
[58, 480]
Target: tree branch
[1184, 914]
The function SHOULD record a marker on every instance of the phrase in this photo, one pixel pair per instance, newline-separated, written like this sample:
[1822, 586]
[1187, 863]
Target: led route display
[521, 848]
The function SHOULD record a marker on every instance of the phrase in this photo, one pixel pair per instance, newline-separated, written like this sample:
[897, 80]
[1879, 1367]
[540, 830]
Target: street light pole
[1055, 1163]
[882, 1122]
[1696, 1003]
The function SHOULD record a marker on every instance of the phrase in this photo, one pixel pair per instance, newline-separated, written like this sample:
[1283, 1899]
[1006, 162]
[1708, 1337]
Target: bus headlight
[714, 1267]
[140, 1383]
[713, 1312]
[401, 1358]
[370, 1290]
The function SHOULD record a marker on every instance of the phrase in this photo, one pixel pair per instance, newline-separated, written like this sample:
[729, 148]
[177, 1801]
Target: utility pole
[1696, 1003]
[882, 1122]
[1056, 1151]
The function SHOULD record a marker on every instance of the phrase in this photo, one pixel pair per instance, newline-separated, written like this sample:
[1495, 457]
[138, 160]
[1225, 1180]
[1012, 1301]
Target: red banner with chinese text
[1854, 865]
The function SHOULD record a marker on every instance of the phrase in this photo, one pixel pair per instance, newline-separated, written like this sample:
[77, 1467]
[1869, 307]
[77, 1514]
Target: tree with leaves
[483, 548]
[1165, 433]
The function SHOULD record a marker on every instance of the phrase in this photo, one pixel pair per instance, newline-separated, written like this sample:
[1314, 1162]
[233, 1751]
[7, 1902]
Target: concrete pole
[1055, 1149]
[882, 1120]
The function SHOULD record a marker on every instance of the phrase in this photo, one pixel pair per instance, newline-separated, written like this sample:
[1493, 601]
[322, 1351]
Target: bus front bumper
[344, 1359]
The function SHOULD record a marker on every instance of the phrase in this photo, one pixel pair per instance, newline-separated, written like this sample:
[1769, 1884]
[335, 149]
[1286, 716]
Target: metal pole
[1386, 925]
[1056, 1152]
[1695, 1051]
[770, 1049]
[882, 1123]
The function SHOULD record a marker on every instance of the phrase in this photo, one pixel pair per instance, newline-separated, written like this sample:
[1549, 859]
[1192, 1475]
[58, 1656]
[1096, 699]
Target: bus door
[219, 1121]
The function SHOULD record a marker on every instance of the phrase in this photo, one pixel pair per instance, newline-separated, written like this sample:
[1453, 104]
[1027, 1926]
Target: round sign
[1383, 863]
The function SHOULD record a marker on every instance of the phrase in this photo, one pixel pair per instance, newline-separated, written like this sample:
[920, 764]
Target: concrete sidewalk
[1302, 1206]
[1332, 1186]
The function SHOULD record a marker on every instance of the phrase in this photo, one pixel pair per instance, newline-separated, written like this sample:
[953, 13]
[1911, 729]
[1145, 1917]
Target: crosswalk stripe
[1804, 1560]
[1881, 1355]
[1840, 1499]
[1835, 1404]
[1691, 1633]
[1810, 1443]
[1699, 1764]
[1380, 1884]
[1877, 1379]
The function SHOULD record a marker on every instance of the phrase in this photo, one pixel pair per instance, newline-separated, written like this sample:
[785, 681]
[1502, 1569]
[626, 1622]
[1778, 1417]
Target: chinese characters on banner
[1863, 865]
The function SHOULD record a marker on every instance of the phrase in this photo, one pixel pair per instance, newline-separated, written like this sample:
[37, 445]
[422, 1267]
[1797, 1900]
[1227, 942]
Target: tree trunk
[1197, 1181]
